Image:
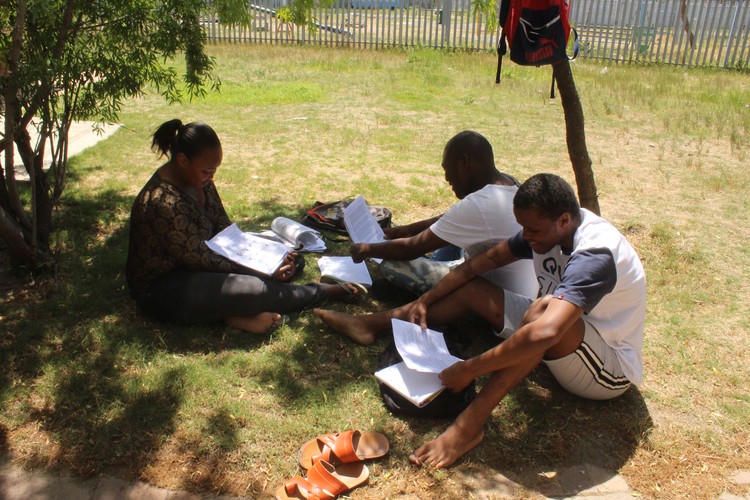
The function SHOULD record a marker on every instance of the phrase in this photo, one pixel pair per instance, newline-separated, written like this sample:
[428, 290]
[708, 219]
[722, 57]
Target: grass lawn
[90, 385]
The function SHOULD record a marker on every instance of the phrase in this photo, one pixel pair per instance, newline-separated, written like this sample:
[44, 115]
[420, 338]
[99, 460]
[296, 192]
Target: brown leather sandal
[344, 447]
[324, 481]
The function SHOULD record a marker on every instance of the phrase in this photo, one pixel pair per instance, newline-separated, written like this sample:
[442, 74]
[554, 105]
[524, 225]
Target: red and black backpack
[536, 31]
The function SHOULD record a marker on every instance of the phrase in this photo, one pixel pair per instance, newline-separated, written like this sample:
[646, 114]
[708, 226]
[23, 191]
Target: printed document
[425, 355]
[422, 350]
[419, 388]
[361, 224]
[250, 250]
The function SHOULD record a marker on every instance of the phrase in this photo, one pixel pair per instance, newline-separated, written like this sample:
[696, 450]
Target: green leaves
[80, 60]
[111, 50]
[489, 9]
[231, 12]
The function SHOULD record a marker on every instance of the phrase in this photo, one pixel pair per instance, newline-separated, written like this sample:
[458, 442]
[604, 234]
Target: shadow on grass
[542, 428]
[76, 357]
[64, 349]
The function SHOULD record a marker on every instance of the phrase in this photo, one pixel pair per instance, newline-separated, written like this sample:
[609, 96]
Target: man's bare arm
[496, 256]
[530, 342]
[399, 249]
[409, 230]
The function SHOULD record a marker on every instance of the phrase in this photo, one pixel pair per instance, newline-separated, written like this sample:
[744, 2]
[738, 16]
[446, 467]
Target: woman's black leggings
[191, 297]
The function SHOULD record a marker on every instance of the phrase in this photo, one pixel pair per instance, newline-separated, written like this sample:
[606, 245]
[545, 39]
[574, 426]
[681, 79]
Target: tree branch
[576, 136]
[11, 115]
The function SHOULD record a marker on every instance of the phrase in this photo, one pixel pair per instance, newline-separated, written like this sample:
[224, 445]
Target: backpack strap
[576, 44]
[552, 87]
[502, 47]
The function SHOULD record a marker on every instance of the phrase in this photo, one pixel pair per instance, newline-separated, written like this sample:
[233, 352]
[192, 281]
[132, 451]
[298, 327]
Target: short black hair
[472, 144]
[550, 194]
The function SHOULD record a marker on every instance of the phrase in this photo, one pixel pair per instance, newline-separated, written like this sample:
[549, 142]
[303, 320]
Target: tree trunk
[576, 137]
[26, 238]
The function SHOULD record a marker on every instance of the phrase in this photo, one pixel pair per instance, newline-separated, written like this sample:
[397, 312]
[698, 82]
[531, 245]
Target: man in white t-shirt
[586, 326]
[482, 218]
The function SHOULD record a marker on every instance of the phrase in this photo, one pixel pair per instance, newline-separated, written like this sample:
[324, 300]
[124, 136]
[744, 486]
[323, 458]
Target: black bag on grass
[330, 216]
[445, 405]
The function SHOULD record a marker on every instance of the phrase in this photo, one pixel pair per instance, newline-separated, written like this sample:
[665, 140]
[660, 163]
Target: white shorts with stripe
[592, 371]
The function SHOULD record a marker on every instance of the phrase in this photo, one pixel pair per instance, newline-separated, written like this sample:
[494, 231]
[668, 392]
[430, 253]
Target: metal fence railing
[682, 32]
[367, 24]
[688, 33]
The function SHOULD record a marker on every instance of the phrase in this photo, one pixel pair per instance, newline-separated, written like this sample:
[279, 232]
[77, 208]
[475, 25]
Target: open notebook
[425, 355]
[418, 387]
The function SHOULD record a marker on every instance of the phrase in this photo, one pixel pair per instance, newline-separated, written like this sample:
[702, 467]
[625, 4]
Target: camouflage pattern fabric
[418, 275]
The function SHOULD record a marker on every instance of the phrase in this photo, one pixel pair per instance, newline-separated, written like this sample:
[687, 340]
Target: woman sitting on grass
[171, 272]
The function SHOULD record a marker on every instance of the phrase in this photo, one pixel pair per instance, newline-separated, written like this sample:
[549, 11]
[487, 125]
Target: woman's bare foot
[353, 327]
[260, 323]
[448, 447]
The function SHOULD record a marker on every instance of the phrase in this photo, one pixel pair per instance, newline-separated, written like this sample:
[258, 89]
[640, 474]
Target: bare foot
[259, 323]
[352, 326]
[448, 447]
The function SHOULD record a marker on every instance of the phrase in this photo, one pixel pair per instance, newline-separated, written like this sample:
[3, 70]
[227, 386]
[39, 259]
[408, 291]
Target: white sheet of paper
[249, 250]
[361, 224]
[424, 351]
[345, 268]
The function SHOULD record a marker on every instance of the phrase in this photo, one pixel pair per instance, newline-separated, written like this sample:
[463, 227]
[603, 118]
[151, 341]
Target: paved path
[585, 482]
[80, 137]
[17, 484]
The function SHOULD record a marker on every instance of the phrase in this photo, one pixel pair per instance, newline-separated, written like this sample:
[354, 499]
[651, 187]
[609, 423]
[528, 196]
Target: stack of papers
[295, 235]
[419, 388]
[425, 355]
[422, 350]
[265, 251]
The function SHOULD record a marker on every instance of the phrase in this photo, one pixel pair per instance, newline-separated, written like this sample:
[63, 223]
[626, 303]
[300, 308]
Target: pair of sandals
[334, 464]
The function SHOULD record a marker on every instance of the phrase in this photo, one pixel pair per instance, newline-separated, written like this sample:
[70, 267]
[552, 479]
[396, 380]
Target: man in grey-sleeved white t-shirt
[602, 275]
